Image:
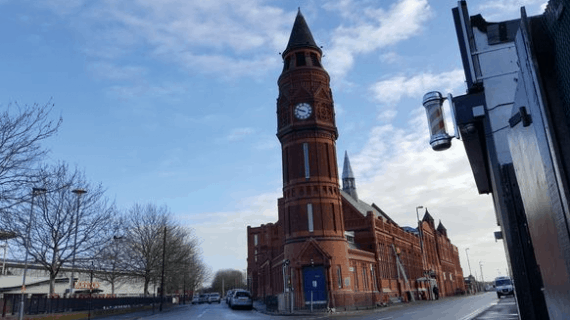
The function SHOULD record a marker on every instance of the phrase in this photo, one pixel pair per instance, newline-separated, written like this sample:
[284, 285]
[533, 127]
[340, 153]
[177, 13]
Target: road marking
[201, 314]
[386, 318]
[476, 312]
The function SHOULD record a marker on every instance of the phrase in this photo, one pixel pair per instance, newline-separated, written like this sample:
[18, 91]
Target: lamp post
[482, 278]
[90, 291]
[78, 192]
[420, 234]
[35, 191]
[469, 264]
[162, 278]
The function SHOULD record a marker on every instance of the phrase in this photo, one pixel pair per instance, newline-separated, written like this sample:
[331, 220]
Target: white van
[504, 286]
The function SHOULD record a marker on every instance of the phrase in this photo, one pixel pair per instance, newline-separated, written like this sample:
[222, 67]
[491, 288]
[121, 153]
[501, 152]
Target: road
[453, 308]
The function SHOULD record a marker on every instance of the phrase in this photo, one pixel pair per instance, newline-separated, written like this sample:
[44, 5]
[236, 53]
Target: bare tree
[227, 279]
[21, 132]
[60, 229]
[145, 234]
[109, 263]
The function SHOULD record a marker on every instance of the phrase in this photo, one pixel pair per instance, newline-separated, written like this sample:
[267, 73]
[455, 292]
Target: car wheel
[499, 295]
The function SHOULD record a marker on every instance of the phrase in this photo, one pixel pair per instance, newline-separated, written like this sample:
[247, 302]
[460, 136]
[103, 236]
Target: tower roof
[347, 169]
[440, 227]
[301, 36]
[427, 216]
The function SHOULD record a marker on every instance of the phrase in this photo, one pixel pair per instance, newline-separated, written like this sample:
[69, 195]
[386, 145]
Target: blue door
[314, 281]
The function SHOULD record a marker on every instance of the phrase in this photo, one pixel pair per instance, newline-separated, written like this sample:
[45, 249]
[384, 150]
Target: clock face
[303, 111]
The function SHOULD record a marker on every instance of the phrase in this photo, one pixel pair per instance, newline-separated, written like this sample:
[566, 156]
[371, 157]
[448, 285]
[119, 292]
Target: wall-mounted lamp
[439, 139]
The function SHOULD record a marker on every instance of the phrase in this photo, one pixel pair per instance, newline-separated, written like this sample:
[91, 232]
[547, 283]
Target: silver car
[241, 299]
[214, 297]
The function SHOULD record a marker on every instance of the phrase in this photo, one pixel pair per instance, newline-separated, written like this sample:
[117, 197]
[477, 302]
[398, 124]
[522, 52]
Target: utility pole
[78, 192]
[35, 191]
[162, 279]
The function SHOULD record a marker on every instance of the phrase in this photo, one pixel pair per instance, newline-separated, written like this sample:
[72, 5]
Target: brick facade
[326, 242]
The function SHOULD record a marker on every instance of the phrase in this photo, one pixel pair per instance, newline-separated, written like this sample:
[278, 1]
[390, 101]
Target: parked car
[241, 299]
[229, 295]
[214, 297]
[196, 299]
[203, 298]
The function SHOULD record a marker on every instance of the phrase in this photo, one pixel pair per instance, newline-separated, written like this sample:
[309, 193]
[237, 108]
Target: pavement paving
[504, 309]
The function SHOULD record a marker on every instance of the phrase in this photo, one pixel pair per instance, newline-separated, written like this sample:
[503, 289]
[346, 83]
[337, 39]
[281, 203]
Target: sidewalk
[504, 309]
[262, 308]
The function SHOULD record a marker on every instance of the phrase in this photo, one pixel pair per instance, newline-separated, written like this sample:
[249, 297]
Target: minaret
[311, 205]
[348, 181]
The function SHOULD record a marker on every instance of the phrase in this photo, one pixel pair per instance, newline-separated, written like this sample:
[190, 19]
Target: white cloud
[392, 90]
[375, 29]
[239, 133]
[225, 233]
[114, 72]
[496, 11]
[390, 57]
[387, 115]
[397, 170]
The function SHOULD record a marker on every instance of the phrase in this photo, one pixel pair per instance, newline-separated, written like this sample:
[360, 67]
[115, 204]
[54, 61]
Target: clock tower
[311, 208]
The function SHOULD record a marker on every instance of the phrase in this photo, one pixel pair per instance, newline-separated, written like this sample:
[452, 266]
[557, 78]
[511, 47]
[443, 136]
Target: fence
[10, 304]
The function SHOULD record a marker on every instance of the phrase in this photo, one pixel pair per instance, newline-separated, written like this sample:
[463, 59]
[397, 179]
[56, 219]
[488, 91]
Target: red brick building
[328, 246]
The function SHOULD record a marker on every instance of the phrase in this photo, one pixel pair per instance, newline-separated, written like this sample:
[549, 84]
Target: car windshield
[504, 282]
[242, 294]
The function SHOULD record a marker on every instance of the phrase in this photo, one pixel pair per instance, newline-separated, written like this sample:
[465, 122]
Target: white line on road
[201, 314]
[386, 318]
[476, 312]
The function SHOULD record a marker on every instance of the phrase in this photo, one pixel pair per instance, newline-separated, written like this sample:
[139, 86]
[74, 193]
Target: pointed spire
[301, 36]
[348, 180]
[347, 169]
[428, 217]
[441, 228]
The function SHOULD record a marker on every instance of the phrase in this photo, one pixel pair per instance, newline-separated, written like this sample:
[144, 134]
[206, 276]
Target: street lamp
[468, 263]
[421, 237]
[78, 192]
[35, 191]
[482, 278]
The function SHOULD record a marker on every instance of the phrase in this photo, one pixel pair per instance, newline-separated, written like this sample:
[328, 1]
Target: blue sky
[174, 102]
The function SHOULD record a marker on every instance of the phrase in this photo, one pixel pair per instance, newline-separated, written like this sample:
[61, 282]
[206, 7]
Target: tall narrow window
[373, 277]
[364, 279]
[310, 216]
[306, 157]
[339, 276]
[300, 57]
[255, 239]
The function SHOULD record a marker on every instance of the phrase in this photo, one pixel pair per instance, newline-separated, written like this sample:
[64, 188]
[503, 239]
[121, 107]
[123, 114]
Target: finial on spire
[301, 36]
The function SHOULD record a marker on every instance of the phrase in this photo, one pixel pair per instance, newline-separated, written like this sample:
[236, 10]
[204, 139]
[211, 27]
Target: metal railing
[43, 305]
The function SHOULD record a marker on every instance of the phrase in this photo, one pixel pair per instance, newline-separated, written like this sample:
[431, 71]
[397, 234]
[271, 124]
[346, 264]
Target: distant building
[329, 247]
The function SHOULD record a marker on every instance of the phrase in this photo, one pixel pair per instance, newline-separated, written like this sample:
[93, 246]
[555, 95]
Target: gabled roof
[364, 207]
[301, 36]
